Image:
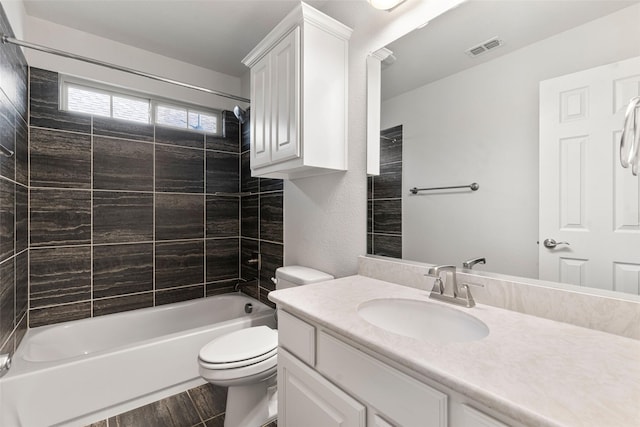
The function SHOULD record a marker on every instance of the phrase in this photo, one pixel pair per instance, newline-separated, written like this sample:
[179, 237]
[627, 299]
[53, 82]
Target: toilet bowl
[245, 361]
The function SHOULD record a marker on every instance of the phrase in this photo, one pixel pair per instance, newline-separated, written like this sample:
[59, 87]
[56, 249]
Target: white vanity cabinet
[299, 74]
[324, 381]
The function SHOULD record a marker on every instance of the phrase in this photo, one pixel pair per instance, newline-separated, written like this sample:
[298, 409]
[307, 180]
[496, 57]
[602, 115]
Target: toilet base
[251, 405]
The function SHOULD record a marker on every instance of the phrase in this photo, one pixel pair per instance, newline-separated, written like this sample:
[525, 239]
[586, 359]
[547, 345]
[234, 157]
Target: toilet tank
[296, 275]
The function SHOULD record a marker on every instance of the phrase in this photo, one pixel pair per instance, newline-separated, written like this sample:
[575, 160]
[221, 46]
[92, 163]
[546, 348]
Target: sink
[422, 320]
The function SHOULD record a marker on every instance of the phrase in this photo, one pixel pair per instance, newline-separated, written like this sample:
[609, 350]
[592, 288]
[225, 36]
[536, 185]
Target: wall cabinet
[342, 385]
[299, 74]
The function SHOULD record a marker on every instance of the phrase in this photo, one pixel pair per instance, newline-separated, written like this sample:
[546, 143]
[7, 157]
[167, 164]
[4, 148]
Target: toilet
[245, 361]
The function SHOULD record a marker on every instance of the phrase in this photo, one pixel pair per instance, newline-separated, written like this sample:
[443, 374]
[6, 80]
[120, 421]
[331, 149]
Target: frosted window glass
[171, 116]
[85, 101]
[202, 121]
[131, 109]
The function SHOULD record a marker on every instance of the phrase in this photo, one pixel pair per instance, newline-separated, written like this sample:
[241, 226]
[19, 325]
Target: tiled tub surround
[261, 227]
[14, 171]
[384, 213]
[532, 371]
[125, 216]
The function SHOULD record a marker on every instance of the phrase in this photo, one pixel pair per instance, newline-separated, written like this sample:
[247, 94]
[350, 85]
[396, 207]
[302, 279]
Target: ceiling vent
[484, 47]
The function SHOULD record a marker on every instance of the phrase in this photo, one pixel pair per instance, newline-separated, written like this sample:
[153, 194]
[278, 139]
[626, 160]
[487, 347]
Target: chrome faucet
[439, 287]
[473, 261]
[435, 271]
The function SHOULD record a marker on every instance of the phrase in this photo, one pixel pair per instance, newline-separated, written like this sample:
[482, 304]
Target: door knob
[551, 243]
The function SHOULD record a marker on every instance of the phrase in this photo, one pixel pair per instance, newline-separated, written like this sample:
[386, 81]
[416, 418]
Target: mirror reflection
[526, 99]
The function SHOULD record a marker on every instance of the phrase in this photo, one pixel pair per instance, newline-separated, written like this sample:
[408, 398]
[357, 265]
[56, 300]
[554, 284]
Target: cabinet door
[260, 113]
[306, 399]
[285, 98]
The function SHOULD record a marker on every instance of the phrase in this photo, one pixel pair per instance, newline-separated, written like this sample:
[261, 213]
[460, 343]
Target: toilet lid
[240, 345]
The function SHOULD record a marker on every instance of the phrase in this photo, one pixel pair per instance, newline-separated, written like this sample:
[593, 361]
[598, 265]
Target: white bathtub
[75, 373]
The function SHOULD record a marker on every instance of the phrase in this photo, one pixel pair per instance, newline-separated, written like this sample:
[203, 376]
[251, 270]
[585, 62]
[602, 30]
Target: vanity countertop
[534, 370]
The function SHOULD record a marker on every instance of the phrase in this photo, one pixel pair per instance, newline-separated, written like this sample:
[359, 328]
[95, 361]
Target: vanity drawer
[400, 399]
[297, 336]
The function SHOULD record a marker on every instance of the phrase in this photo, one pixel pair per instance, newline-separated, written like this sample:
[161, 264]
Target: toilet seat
[239, 363]
[239, 349]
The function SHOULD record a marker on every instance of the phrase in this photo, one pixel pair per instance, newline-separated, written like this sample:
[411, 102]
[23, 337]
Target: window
[184, 117]
[101, 100]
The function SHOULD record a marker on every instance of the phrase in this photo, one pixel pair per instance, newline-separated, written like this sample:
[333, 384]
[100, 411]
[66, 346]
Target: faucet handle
[469, 298]
[438, 286]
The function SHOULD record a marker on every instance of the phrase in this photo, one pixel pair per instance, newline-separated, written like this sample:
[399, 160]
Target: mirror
[526, 99]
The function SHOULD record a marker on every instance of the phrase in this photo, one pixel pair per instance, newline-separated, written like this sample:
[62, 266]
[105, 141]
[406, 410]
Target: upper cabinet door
[261, 112]
[299, 97]
[285, 77]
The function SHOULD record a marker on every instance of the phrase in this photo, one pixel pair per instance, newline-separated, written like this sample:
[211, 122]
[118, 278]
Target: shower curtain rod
[11, 40]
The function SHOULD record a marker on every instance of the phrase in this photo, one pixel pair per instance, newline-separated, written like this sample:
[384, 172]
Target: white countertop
[536, 371]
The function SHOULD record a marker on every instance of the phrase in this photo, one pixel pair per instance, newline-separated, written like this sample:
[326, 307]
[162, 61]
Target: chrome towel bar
[473, 186]
[5, 151]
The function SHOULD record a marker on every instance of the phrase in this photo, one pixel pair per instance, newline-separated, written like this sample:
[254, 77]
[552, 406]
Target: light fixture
[385, 4]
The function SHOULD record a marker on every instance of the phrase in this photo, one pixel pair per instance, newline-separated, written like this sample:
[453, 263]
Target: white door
[285, 94]
[306, 399]
[260, 113]
[586, 198]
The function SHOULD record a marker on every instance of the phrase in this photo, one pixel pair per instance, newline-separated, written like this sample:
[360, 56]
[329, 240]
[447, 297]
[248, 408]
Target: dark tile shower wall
[14, 171]
[124, 215]
[384, 218]
[261, 227]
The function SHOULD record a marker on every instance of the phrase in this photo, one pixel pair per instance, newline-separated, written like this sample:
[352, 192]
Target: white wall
[482, 125]
[14, 9]
[68, 39]
[325, 216]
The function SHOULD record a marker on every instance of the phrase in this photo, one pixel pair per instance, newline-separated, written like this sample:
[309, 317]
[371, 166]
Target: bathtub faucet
[243, 283]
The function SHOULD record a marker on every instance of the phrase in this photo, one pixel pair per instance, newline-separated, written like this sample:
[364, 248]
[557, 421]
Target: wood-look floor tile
[209, 400]
[174, 411]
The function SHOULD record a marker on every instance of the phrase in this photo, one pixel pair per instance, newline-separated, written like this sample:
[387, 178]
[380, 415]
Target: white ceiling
[438, 50]
[214, 34]
[217, 34]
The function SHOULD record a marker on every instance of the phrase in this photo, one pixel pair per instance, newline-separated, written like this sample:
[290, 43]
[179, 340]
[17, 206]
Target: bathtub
[79, 372]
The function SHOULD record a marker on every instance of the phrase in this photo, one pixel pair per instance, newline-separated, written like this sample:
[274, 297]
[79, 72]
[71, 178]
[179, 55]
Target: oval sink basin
[423, 320]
